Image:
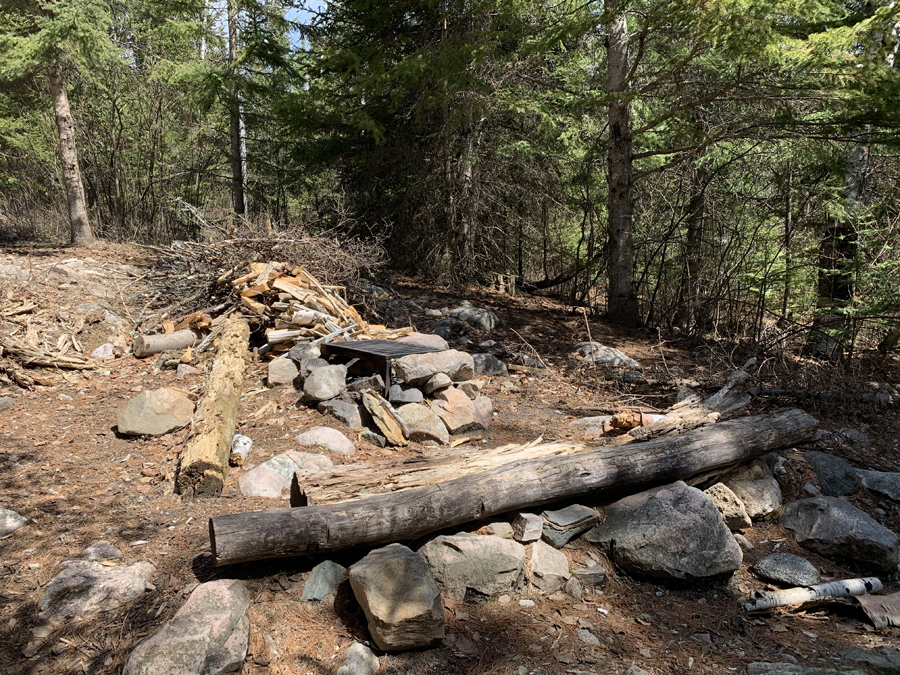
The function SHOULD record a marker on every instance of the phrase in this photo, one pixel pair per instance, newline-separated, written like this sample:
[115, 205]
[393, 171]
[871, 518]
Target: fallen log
[408, 514]
[802, 594]
[205, 459]
[147, 345]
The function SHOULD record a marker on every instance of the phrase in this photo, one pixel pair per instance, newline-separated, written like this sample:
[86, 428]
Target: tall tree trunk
[687, 316]
[68, 154]
[237, 164]
[788, 244]
[621, 295]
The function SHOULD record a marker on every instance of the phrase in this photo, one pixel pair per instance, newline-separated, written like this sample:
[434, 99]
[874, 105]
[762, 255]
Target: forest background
[702, 167]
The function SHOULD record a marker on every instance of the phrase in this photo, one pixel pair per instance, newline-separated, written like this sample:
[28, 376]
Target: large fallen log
[205, 459]
[408, 514]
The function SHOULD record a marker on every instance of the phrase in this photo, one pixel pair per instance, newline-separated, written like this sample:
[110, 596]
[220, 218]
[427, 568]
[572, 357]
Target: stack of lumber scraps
[299, 308]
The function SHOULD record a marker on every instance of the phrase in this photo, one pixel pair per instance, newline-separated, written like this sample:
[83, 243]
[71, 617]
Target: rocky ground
[76, 481]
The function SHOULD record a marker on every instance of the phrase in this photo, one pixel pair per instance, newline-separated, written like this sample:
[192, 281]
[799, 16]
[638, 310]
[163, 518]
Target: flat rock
[10, 521]
[457, 411]
[416, 369]
[837, 530]
[425, 339]
[302, 351]
[386, 419]
[423, 424]
[595, 352]
[325, 383]
[548, 569]
[282, 371]
[359, 660]
[85, 588]
[787, 569]
[353, 415]
[209, 635]
[884, 483]
[756, 487]
[403, 393]
[6, 403]
[105, 351]
[436, 382]
[102, 550]
[374, 438]
[485, 564]
[730, 506]
[835, 476]
[760, 668]
[398, 594]
[882, 660]
[322, 580]
[669, 532]
[327, 438]
[594, 575]
[564, 525]
[472, 388]
[155, 412]
[490, 365]
[500, 529]
[372, 382]
[477, 317]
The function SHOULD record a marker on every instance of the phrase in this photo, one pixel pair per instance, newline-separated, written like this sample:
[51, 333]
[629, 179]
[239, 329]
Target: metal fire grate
[378, 352]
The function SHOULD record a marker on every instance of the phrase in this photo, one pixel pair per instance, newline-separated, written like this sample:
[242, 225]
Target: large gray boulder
[10, 521]
[594, 352]
[477, 317]
[484, 564]
[398, 594]
[756, 487]
[490, 365]
[787, 569]
[835, 476]
[84, 588]
[670, 532]
[423, 424]
[883, 483]
[209, 635]
[838, 530]
[416, 369]
[154, 412]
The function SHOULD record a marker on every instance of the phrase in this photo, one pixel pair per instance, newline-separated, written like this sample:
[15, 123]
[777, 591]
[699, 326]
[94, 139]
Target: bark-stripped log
[147, 345]
[205, 459]
[801, 594]
[408, 514]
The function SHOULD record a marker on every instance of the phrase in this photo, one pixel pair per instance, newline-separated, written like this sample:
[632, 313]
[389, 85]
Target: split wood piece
[347, 481]
[802, 594]
[603, 473]
[147, 345]
[205, 459]
[29, 355]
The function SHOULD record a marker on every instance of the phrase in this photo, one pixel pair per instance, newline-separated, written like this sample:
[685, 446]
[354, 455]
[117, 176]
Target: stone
[403, 393]
[527, 527]
[835, 476]
[309, 462]
[595, 352]
[309, 365]
[564, 525]
[209, 635]
[587, 637]
[425, 340]
[548, 569]
[501, 529]
[282, 371]
[761, 668]
[882, 660]
[669, 532]
[386, 419]
[812, 490]
[102, 550]
[10, 521]
[398, 594]
[743, 542]
[435, 383]
[839, 531]
[269, 479]
[85, 587]
[322, 580]
[359, 660]
[450, 328]
[105, 351]
[594, 575]
[423, 424]
[848, 435]
[14, 272]
[472, 388]
[372, 382]
[787, 569]
[457, 411]
[490, 365]
[325, 383]
[731, 508]
[302, 351]
[477, 317]
[184, 370]
[6, 403]
[573, 588]
[883, 483]
[416, 369]
[595, 421]
[487, 565]
[155, 412]
[433, 313]
[636, 670]
[756, 487]
[351, 414]
[484, 406]
[327, 438]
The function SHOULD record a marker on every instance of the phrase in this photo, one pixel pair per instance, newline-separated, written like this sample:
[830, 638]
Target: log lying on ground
[205, 459]
[147, 345]
[409, 514]
[802, 594]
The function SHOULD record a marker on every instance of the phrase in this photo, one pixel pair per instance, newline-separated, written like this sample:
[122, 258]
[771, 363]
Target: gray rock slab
[209, 635]
[564, 525]
[835, 475]
[548, 569]
[398, 594]
[322, 580]
[102, 550]
[587, 637]
[425, 339]
[670, 532]
[882, 660]
[282, 371]
[10, 521]
[603, 355]
[327, 438]
[416, 369]
[484, 564]
[760, 668]
[325, 383]
[837, 530]
[477, 317]
[756, 487]
[884, 483]
[436, 382]
[374, 438]
[367, 384]
[423, 424]
[594, 575]
[490, 365]
[730, 506]
[359, 660]
[154, 412]
[787, 569]
[403, 393]
[85, 588]
[351, 414]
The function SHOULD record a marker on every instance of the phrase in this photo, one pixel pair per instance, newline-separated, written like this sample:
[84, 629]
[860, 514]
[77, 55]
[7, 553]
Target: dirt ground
[63, 466]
